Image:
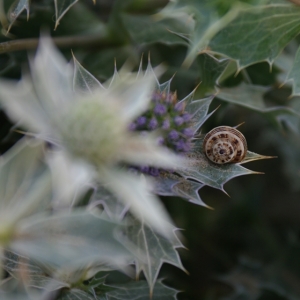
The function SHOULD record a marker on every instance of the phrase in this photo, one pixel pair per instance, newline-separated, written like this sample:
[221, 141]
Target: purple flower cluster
[169, 116]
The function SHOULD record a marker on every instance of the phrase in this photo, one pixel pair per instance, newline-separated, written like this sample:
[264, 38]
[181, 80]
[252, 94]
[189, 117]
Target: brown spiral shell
[225, 144]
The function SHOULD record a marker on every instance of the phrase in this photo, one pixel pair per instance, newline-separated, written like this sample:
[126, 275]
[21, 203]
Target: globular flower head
[90, 123]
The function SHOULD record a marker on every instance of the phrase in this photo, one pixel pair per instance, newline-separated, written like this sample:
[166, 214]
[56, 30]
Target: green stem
[61, 42]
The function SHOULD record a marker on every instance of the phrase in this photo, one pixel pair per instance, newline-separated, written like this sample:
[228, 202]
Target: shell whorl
[225, 144]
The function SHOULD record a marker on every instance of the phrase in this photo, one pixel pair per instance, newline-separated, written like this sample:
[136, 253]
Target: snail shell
[224, 145]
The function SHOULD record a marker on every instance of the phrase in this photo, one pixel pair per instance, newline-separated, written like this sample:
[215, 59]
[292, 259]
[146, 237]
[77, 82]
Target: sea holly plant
[128, 140]
[178, 123]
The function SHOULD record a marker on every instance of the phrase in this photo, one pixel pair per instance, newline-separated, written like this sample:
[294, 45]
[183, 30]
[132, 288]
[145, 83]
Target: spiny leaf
[155, 247]
[112, 206]
[83, 80]
[16, 264]
[61, 7]
[75, 294]
[70, 239]
[210, 71]
[25, 183]
[205, 22]
[17, 10]
[257, 34]
[294, 74]
[147, 30]
[251, 96]
[198, 109]
[251, 156]
[169, 184]
[140, 291]
[204, 171]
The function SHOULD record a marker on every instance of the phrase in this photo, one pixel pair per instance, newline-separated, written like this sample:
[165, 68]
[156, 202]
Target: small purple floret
[144, 169]
[160, 109]
[154, 172]
[178, 121]
[179, 106]
[152, 124]
[141, 121]
[188, 132]
[173, 135]
[182, 145]
[187, 117]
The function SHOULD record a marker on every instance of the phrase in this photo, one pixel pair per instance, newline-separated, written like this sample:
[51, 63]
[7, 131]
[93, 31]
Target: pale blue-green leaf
[71, 239]
[251, 96]
[17, 296]
[203, 170]
[16, 10]
[210, 71]
[140, 291]
[145, 29]
[284, 62]
[83, 80]
[36, 276]
[157, 248]
[114, 208]
[293, 75]
[52, 79]
[76, 294]
[25, 183]
[201, 42]
[23, 107]
[135, 191]
[198, 109]
[61, 8]
[251, 156]
[257, 34]
[170, 184]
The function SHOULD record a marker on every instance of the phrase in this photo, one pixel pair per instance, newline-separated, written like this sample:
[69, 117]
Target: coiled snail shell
[225, 144]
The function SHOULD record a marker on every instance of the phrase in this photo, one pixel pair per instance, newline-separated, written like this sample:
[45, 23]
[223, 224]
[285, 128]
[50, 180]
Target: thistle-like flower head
[90, 123]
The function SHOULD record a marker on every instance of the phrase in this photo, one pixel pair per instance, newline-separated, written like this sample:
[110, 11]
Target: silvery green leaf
[25, 183]
[16, 10]
[114, 208]
[83, 80]
[157, 248]
[52, 79]
[76, 294]
[139, 290]
[198, 109]
[293, 75]
[71, 239]
[169, 184]
[203, 170]
[136, 192]
[145, 29]
[211, 69]
[61, 8]
[257, 33]
[36, 276]
[251, 96]
[23, 107]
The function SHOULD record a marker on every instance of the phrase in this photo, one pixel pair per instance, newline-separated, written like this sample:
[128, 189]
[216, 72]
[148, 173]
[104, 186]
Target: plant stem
[61, 42]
